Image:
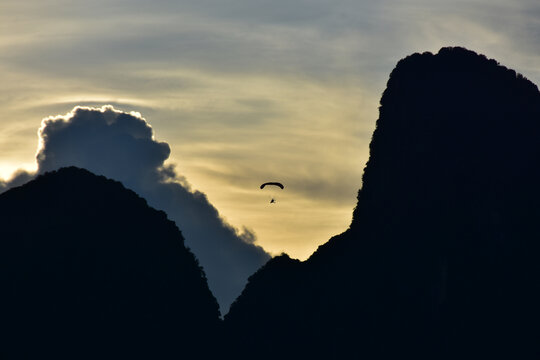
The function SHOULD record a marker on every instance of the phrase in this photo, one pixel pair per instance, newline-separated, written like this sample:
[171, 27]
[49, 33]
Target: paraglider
[279, 185]
[272, 183]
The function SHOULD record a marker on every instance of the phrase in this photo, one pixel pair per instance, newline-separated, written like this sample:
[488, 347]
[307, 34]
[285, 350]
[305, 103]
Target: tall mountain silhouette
[442, 257]
[89, 270]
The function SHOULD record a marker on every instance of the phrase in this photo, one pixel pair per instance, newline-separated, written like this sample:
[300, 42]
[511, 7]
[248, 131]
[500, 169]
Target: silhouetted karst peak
[441, 258]
[89, 270]
[455, 119]
[276, 274]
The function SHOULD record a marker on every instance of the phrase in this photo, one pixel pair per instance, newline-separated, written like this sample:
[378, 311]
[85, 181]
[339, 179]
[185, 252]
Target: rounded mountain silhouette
[89, 270]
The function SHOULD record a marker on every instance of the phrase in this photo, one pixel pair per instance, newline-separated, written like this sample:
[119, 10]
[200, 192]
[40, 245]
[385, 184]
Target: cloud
[122, 146]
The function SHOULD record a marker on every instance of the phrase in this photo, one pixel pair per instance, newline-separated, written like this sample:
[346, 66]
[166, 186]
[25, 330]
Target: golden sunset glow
[242, 95]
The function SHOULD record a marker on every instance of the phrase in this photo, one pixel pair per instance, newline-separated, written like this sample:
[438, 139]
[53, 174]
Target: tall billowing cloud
[122, 146]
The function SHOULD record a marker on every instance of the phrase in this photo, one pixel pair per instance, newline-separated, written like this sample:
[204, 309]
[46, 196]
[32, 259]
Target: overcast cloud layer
[244, 91]
[121, 146]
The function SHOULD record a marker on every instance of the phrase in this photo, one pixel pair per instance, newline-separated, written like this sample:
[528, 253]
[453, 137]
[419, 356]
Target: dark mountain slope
[88, 270]
[441, 259]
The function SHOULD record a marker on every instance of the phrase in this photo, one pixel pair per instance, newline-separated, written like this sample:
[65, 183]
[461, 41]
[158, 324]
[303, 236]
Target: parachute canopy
[280, 185]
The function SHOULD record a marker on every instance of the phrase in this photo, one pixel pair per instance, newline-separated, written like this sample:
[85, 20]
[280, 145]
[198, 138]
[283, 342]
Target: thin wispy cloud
[274, 84]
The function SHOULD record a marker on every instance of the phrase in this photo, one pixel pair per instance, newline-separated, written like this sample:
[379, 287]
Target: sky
[243, 91]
